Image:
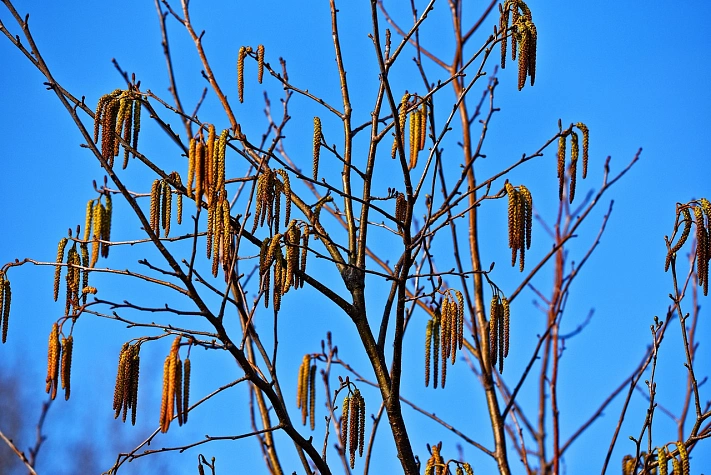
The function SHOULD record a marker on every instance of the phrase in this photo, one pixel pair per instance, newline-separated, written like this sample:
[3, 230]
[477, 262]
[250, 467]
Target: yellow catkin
[98, 115]
[468, 469]
[66, 370]
[423, 125]
[127, 381]
[106, 225]
[523, 57]
[87, 221]
[287, 195]
[125, 104]
[506, 313]
[586, 146]
[191, 166]
[155, 205]
[312, 397]
[302, 386]
[167, 205]
[460, 318]
[445, 324]
[344, 421]
[164, 419]
[186, 389]
[210, 157]
[53, 356]
[561, 165]
[5, 301]
[532, 46]
[318, 137]
[220, 153]
[127, 129]
[628, 465]
[199, 171]
[684, 458]
[663, 461]
[574, 152]
[428, 350]
[511, 192]
[108, 126]
[84, 250]
[118, 389]
[96, 224]
[58, 268]
[260, 63]
[402, 116]
[240, 72]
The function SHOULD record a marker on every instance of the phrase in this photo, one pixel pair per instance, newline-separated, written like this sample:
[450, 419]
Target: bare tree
[382, 202]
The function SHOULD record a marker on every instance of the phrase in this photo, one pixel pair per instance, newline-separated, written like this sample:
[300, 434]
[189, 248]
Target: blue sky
[637, 76]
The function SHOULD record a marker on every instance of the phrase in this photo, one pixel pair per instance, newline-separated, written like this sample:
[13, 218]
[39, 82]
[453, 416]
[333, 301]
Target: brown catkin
[127, 129]
[186, 389]
[136, 123]
[361, 423]
[561, 165]
[511, 192]
[435, 350]
[318, 137]
[312, 397]
[106, 225]
[493, 324]
[304, 251]
[444, 343]
[400, 208]
[344, 421]
[353, 429]
[58, 268]
[686, 215]
[428, 350]
[684, 457]
[260, 63]
[108, 126]
[179, 390]
[66, 371]
[199, 172]
[523, 58]
[423, 125]
[460, 318]
[135, 373]
[532, 45]
[5, 301]
[500, 330]
[287, 194]
[701, 249]
[503, 30]
[586, 146]
[240, 72]
[574, 152]
[528, 215]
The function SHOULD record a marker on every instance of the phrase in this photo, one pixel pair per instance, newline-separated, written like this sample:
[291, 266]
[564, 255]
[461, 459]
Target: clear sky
[635, 73]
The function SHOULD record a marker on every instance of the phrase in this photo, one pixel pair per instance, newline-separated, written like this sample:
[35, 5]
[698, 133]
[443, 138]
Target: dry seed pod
[586, 144]
[318, 137]
[186, 389]
[58, 268]
[240, 72]
[67, 345]
[402, 116]
[260, 63]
